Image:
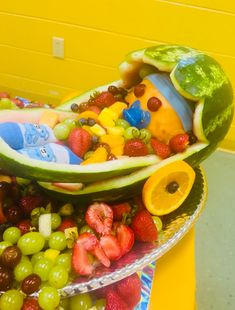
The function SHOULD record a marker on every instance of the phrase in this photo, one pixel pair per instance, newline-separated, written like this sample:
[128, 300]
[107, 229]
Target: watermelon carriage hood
[196, 76]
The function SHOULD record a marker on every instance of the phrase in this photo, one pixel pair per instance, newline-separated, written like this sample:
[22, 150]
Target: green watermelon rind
[165, 57]
[21, 166]
[127, 185]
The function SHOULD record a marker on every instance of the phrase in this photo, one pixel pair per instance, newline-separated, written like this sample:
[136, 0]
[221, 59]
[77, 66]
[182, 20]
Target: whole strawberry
[143, 226]
[30, 202]
[67, 223]
[129, 289]
[104, 99]
[160, 149]
[79, 141]
[179, 143]
[114, 302]
[135, 147]
[120, 210]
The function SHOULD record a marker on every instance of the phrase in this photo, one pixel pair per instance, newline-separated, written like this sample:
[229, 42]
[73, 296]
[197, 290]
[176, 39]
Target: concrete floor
[215, 237]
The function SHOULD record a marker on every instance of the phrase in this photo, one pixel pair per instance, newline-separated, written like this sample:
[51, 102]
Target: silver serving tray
[175, 226]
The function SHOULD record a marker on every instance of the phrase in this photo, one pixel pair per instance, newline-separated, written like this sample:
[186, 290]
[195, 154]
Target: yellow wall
[97, 34]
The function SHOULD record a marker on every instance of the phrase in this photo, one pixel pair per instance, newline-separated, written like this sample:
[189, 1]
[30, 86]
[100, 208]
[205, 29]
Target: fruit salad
[47, 244]
[84, 183]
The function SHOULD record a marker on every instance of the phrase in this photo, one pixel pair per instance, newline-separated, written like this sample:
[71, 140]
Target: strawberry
[125, 237]
[94, 108]
[30, 202]
[24, 226]
[104, 99]
[31, 303]
[161, 149]
[179, 143]
[111, 247]
[4, 95]
[144, 227]
[79, 141]
[87, 243]
[114, 302]
[18, 102]
[129, 289]
[120, 209]
[66, 223]
[99, 216]
[135, 147]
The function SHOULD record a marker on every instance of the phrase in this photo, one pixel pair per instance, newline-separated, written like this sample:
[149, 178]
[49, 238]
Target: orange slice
[168, 187]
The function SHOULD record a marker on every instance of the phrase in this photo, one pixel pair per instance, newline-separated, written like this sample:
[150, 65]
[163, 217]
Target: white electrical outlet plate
[58, 47]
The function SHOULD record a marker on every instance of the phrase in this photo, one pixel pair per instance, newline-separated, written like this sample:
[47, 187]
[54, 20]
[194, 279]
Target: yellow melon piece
[49, 118]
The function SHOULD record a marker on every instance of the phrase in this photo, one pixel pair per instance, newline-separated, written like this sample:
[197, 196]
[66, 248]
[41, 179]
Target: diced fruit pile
[107, 127]
[45, 245]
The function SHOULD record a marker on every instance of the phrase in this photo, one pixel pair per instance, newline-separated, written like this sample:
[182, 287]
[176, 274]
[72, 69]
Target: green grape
[24, 258]
[31, 243]
[81, 302]
[64, 304]
[145, 135]
[55, 221]
[86, 228]
[70, 122]
[6, 103]
[150, 149]
[64, 260]
[4, 245]
[11, 299]
[36, 257]
[131, 133]
[157, 222]
[42, 268]
[58, 276]
[88, 154]
[61, 131]
[57, 241]
[100, 304]
[12, 234]
[22, 270]
[122, 123]
[48, 298]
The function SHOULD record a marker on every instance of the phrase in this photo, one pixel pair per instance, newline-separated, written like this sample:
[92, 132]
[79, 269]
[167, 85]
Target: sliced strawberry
[125, 237]
[111, 247]
[161, 149]
[80, 260]
[119, 210]
[87, 243]
[30, 202]
[99, 216]
[104, 99]
[66, 223]
[129, 289]
[114, 302]
[135, 147]
[179, 143]
[144, 227]
[79, 141]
